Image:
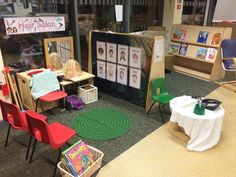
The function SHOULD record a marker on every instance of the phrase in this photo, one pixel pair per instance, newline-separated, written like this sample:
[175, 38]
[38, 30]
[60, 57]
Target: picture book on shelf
[201, 53]
[202, 37]
[216, 38]
[179, 34]
[183, 49]
[78, 157]
[174, 48]
[211, 54]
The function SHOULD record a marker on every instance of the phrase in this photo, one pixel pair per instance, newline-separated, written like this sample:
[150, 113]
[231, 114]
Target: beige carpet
[161, 155]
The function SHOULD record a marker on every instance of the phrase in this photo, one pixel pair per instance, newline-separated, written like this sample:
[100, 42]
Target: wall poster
[101, 48]
[135, 54]
[158, 50]
[123, 54]
[101, 69]
[111, 72]
[25, 25]
[111, 52]
[134, 78]
[122, 74]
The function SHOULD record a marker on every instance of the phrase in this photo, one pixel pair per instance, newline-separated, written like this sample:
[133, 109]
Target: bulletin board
[125, 64]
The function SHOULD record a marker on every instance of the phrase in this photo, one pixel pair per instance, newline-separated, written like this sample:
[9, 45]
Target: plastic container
[98, 155]
[88, 93]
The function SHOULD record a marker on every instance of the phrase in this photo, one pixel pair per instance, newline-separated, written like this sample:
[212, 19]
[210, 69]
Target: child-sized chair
[56, 134]
[163, 97]
[46, 88]
[16, 119]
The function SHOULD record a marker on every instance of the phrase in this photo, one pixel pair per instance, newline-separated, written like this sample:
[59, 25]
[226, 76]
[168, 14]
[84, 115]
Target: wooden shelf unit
[194, 73]
[196, 44]
[188, 63]
[197, 59]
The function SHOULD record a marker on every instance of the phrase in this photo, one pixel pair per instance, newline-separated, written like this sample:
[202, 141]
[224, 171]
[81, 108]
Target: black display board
[131, 43]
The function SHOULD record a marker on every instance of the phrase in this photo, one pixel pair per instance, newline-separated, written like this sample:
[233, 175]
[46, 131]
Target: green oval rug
[102, 124]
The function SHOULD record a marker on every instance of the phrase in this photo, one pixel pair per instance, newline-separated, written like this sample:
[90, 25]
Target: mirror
[58, 51]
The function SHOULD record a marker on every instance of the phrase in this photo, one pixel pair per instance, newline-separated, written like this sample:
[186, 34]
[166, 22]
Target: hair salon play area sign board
[25, 25]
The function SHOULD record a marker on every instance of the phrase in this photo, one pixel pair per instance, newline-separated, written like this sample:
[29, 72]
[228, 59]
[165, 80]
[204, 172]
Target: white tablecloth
[204, 130]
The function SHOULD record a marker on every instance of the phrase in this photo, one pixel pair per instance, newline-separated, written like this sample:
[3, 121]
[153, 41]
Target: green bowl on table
[199, 110]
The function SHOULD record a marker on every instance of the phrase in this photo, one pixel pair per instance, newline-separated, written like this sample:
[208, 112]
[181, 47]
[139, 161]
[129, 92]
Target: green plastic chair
[163, 97]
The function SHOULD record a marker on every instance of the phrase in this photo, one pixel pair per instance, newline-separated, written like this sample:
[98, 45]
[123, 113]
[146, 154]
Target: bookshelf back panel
[194, 65]
[193, 52]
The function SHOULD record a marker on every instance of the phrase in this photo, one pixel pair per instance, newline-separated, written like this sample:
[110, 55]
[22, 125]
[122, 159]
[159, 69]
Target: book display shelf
[196, 50]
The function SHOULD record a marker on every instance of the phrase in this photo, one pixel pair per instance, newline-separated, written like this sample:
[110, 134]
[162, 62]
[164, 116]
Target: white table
[204, 130]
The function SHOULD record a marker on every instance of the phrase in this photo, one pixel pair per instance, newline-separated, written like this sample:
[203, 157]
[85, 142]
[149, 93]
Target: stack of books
[77, 158]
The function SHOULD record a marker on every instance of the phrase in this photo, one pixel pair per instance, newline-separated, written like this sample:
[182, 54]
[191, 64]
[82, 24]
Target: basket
[98, 155]
[88, 93]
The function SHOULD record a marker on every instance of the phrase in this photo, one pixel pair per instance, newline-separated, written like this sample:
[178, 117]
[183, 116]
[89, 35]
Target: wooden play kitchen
[197, 52]
[27, 100]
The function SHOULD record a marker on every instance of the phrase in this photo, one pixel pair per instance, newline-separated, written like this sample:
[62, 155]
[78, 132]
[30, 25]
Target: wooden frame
[68, 40]
[190, 65]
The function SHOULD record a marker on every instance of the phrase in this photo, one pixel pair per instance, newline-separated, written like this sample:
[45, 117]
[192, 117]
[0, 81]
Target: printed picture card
[135, 55]
[122, 72]
[211, 54]
[111, 72]
[134, 78]
[101, 48]
[201, 53]
[183, 49]
[123, 54]
[202, 37]
[216, 38]
[174, 48]
[179, 34]
[111, 52]
[101, 69]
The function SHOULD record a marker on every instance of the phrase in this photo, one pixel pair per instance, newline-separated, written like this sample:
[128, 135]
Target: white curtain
[225, 11]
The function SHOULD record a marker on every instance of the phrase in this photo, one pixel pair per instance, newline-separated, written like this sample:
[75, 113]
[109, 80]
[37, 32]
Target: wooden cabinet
[191, 50]
[25, 93]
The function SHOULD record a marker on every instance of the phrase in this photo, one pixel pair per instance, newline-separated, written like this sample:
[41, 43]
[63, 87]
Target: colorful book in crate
[211, 54]
[201, 53]
[78, 157]
[67, 167]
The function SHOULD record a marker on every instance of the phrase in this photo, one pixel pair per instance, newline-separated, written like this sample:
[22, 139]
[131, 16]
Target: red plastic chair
[16, 119]
[50, 97]
[56, 135]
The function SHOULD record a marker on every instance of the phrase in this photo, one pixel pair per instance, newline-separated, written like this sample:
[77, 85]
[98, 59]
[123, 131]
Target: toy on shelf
[72, 68]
